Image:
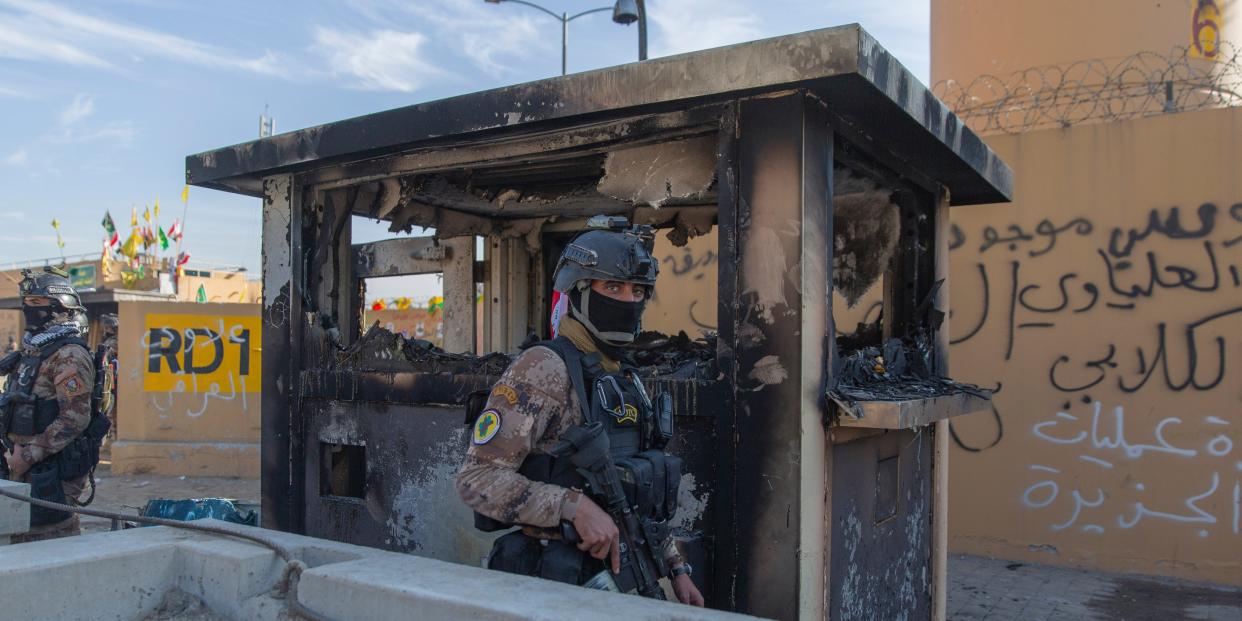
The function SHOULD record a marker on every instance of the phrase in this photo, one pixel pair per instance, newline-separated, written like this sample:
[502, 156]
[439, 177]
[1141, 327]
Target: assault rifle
[586, 447]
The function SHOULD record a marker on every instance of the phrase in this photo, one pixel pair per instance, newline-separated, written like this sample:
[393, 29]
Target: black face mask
[37, 317]
[611, 321]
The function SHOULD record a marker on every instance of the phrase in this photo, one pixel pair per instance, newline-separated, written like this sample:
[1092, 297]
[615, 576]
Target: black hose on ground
[290, 576]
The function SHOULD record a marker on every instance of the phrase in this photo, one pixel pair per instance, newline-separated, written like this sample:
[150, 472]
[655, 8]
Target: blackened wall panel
[880, 566]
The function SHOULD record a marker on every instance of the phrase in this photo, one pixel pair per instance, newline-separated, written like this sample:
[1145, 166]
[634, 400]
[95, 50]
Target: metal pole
[564, 43]
[642, 29]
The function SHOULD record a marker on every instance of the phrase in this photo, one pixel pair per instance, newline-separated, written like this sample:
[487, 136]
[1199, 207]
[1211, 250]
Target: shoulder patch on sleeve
[487, 426]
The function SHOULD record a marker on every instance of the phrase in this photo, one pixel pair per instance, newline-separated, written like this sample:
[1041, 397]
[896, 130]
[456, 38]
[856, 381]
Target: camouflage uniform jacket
[69, 376]
[536, 405]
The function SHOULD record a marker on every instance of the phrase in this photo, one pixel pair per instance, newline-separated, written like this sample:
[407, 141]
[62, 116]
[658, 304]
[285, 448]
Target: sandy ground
[129, 493]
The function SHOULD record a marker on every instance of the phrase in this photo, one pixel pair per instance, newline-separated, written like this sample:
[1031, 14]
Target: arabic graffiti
[1130, 335]
[1103, 443]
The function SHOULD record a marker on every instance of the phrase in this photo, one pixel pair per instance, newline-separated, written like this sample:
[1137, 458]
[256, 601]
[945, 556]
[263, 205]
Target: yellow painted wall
[970, 38]
[1106, 302]
[191, 416]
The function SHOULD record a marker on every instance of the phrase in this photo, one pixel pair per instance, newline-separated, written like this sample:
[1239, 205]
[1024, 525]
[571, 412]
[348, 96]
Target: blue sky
[100, 102]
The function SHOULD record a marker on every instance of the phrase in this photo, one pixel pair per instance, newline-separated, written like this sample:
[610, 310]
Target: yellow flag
[133, 216]
[185, 194]
[157, 208]
[146, 215]
[130, 248]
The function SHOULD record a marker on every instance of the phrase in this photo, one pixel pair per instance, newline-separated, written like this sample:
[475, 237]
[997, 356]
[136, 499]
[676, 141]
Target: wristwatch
[684, 568]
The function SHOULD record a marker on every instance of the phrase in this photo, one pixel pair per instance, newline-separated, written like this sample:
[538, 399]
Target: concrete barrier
[14, 514]
[131, 574]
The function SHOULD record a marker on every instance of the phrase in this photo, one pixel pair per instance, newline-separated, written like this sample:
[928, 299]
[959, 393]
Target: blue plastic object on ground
[199, 508]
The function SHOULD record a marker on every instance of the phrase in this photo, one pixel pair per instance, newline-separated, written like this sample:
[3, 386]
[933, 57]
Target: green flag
[202, 295]
[163, 239]
[107, 223]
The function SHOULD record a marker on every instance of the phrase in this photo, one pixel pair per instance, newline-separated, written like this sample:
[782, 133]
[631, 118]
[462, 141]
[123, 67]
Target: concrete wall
[188, 411]
[1106, 304]
[128, 575]
[970, 38]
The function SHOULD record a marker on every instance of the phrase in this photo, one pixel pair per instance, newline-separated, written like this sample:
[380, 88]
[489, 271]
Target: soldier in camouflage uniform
[532, 406]
[42, 420]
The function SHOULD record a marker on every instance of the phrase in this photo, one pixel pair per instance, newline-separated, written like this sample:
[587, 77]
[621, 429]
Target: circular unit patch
[487, 426]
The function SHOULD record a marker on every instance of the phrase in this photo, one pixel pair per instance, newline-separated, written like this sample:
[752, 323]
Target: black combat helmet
[51, 284]
[618, 253]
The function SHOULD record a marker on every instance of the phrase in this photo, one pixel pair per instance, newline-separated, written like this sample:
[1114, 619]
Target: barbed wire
[1143, 84]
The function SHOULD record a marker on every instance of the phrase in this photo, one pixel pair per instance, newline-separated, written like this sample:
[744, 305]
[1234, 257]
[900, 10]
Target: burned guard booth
[815, 458]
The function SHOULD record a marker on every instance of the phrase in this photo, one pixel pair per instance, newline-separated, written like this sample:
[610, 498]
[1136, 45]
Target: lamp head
[624, 12]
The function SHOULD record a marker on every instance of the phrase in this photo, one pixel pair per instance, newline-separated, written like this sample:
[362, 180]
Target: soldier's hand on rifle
[17, 465]
[599, 534]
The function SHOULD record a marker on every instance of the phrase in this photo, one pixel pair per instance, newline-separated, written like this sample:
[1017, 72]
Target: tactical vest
[23, 414]
[638, 429]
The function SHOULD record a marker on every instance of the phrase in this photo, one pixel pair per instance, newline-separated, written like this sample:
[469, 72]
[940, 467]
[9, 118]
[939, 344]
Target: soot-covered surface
[897, 370]
[656, 355]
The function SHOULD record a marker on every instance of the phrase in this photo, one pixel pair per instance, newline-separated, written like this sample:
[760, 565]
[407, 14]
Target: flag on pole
[174, 231]
[183, 259]
[130, 249]
[60, 243]
[146, 215]
[105, 260]
[157, 207]
[114, 240]
[436, 303]
[185, 194]
[163, 239]
[201, 296]
[108, 224]
[402, 303]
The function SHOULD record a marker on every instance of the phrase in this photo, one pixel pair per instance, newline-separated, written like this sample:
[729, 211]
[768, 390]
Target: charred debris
[657, 355]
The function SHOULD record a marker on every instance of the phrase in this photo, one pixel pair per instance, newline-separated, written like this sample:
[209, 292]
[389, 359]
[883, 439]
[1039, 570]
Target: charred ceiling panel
[655, 173]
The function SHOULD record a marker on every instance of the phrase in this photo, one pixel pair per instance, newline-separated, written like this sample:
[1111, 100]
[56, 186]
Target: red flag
[114, 240]
[183, 259]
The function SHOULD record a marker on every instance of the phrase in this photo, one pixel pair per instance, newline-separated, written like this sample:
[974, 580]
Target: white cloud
[41, 31]
[689, 25]
[16, 158]
[81, 107]
[495, 39]
[381, 60]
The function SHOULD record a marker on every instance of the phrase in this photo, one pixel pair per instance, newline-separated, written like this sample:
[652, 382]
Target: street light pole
[621, 15]
[642, 29]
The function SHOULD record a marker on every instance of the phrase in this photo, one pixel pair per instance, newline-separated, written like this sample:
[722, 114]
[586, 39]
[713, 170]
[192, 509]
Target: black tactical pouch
[672, 484]
[636, 479]
[562, 562]
[74, 461]
[515, 553]
[21, 413]
[45, 485]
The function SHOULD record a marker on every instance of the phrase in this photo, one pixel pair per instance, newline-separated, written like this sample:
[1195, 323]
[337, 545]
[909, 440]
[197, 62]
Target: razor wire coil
[1096, 90]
